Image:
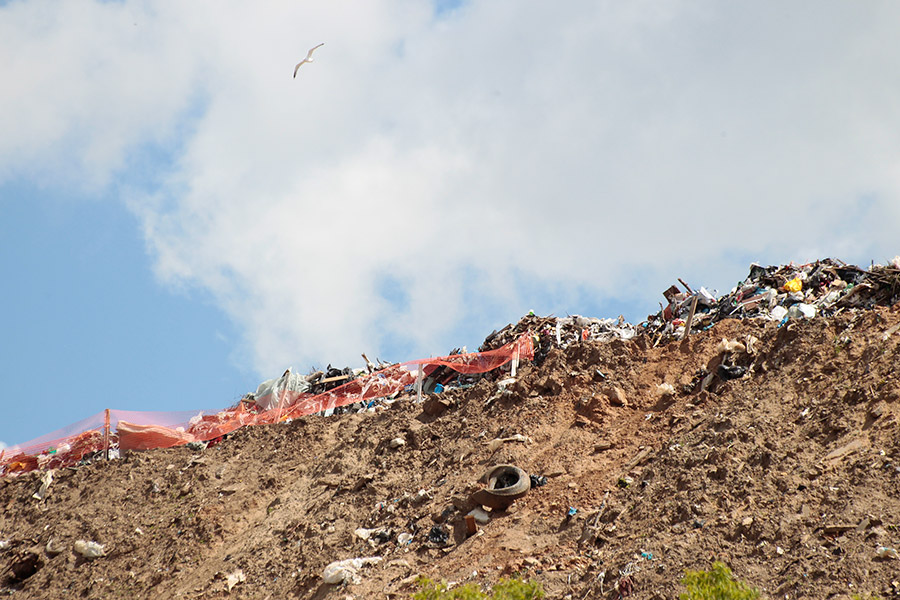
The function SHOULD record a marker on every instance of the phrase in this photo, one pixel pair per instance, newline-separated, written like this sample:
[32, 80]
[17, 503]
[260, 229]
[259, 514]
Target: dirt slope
[789, 473]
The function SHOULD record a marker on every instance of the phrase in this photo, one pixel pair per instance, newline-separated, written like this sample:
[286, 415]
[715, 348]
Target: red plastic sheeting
[137, 430]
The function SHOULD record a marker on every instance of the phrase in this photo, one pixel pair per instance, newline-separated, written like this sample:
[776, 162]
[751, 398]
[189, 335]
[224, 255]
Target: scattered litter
[4, 545]
[730, 346]
[480, 515]
[503, 384]
[727, 372]
[378, 535]
[665, 390]
[397, 442]
[46, 480]
[404, 539]
[495, 444]
[886, 552]
[438, 536]
[347, 570]
[537, 480]
[89, 549]
[54, 547]
[234, 578]
[421, 497]
[505, 485]
[801, 311]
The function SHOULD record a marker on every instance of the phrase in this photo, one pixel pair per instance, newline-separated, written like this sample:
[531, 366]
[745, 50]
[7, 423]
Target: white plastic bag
[347, 570]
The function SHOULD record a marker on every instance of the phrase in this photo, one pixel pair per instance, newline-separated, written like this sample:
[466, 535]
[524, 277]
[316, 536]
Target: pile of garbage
[559, 332]
[778, 293]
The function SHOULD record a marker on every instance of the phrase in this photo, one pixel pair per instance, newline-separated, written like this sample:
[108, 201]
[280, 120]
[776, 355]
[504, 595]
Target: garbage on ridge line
[89, 549]
[269, 392]
[550, 332]
[347, 570]
[825, 287]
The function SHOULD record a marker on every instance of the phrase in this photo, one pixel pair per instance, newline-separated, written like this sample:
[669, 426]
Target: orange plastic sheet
[140, 430]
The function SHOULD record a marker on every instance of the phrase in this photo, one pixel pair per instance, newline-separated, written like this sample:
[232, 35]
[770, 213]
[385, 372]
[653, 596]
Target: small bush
[506, 589]
[715, 584]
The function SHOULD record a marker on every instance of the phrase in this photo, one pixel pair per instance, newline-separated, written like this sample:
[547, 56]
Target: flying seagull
[308, 58]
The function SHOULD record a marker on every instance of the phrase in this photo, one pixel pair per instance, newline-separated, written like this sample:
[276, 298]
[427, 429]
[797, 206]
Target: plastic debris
[801, 311]
[886, 552]
[438, 536]
[347, 570]
[480, 515]
[54, 547]
[824, 287]
[46, 480]
[665, 389]
[794, 285]
[537, 480]
[495, 443]
[421, 497]
[404, 539]
[379, 535]
[89, 549]
[234, 578]
[4, 545]
[727, 372]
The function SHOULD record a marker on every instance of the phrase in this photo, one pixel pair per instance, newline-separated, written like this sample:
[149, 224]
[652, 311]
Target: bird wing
[298, 66]
[313, 49]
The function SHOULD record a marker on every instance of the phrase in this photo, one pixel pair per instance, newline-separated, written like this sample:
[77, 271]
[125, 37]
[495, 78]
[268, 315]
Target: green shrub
[506, 589]
[715, 584]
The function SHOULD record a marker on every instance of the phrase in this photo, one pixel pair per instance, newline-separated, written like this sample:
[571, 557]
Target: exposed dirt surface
[789, 473]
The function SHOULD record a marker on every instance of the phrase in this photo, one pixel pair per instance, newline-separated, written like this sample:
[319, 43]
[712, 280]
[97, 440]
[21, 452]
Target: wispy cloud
[407, 184]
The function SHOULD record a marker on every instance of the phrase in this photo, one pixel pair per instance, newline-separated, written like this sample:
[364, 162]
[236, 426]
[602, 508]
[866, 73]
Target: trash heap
[559, 332]
[778, 293]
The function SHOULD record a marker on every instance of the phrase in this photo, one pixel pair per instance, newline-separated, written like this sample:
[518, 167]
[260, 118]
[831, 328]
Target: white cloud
[422, 170]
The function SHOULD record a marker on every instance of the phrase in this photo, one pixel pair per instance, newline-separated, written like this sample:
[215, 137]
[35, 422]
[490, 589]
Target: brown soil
[790, 475]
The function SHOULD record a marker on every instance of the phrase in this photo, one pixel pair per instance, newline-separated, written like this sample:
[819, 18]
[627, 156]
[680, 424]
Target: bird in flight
[308, 58]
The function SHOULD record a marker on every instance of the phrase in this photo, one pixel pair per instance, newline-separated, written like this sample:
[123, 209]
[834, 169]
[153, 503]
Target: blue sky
[180, 218]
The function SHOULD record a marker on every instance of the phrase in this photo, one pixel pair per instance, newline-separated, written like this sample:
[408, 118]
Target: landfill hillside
[770, 444]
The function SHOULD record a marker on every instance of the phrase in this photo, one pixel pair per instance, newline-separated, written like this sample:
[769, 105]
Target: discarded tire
[505, 485]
